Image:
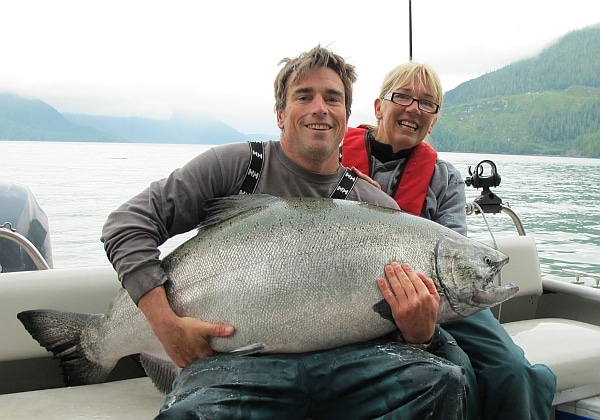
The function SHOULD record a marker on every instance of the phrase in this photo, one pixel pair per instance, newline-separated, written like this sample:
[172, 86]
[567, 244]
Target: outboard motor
[20, 212]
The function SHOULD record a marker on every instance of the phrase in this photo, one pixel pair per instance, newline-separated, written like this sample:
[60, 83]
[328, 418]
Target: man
[313, 95]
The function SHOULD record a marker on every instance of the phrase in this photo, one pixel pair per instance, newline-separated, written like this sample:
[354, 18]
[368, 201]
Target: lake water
[79, 184]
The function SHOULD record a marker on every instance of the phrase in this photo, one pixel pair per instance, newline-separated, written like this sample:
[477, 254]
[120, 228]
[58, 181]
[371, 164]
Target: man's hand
[184, 339]
[413, 299]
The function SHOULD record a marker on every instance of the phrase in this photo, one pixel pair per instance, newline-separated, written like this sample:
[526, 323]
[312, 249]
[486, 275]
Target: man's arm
[184, 339]
[170, 206]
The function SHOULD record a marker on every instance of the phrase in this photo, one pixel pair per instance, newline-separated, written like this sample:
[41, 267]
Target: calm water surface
[78, 184]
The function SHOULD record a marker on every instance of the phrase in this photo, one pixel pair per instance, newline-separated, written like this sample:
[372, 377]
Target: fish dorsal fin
[221, 209]
[161, 372]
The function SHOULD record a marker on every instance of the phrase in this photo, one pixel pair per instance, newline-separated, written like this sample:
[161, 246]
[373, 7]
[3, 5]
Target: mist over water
[79, 184]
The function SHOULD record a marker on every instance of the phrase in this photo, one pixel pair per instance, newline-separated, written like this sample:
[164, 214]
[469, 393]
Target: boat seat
[23, 360]
[523, 268]
[570, 348]
[89, 289]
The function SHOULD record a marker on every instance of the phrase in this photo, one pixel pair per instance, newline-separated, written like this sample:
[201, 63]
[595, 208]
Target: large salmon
[291, 274]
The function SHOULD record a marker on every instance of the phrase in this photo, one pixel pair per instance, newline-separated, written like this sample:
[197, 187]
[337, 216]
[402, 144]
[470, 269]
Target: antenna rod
[410, 55]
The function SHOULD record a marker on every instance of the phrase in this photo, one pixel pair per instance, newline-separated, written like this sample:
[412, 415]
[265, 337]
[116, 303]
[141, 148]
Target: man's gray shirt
[175, 205]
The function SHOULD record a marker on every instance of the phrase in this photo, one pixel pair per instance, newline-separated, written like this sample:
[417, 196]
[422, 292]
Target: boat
[555, 319]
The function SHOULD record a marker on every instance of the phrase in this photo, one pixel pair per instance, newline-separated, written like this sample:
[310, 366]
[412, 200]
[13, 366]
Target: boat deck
[128, 399]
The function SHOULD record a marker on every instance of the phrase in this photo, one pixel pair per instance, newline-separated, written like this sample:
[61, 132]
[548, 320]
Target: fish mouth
[492, 294]
[495, 294]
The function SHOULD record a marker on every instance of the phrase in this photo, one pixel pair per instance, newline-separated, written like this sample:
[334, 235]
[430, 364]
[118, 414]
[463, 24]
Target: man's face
[314, 120]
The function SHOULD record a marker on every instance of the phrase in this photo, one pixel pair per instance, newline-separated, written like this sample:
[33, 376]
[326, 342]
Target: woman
[395, 157]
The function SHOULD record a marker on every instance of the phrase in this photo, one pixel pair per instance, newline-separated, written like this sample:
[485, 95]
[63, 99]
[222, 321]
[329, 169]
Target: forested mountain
[573, 60]
[33, 119]
[548, 104]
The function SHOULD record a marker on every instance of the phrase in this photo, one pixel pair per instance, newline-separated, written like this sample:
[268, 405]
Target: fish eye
[488, 260]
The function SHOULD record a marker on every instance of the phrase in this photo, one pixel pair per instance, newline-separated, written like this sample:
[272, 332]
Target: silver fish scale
[298, 274]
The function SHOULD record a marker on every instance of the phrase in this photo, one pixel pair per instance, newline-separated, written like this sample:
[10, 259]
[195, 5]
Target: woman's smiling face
[401, 126]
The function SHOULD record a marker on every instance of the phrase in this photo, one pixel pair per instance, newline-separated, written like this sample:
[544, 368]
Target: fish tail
[60, 333]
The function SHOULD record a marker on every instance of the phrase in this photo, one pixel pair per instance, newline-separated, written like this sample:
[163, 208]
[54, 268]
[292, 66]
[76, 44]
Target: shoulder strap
[345, 185]
[255, 167]
[254, 171]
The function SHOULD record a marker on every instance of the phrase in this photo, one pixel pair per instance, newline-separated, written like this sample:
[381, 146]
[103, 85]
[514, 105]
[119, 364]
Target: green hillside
[548, 104]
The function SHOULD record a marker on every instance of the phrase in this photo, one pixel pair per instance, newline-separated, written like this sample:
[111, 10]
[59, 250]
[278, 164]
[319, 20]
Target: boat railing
[486, 176]
[9, 233]
[475, 208]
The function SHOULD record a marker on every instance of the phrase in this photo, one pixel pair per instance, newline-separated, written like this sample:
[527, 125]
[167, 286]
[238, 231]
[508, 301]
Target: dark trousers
[509, 386]
[374, 380]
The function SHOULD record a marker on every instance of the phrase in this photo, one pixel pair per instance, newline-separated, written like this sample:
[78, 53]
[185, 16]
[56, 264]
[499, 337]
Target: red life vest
[412, 189]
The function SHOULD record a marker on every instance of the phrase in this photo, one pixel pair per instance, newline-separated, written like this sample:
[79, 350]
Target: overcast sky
[152, 58]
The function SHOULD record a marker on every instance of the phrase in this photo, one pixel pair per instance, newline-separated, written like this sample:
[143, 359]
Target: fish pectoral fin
[384, 310]
[161, 372]
[249, 349]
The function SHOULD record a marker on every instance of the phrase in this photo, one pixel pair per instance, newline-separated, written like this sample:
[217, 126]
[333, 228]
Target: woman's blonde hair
[404, 74]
